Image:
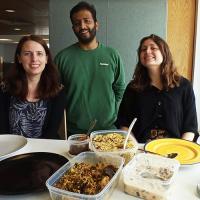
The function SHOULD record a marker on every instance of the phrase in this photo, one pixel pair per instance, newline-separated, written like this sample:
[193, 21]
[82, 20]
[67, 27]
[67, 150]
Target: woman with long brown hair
[158, 96]
[32, 99]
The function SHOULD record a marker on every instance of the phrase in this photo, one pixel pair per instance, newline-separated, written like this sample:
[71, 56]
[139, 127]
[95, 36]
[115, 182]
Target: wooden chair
[62, 131]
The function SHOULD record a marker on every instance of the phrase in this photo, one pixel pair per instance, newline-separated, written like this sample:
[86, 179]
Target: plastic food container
[145, 190]
[78, 143]
[91, 158]
[149, 176]
[127, 153]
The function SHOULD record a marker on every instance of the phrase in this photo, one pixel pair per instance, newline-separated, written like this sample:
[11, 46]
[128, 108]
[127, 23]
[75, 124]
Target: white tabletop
[183, 188]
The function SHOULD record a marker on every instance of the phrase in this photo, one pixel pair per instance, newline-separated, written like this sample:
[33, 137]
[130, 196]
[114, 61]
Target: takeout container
[127, 153]
[149, 176]
[91, 158]
[78, 143]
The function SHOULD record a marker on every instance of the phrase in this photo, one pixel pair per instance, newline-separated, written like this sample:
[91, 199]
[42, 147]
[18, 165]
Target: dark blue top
[52, 120]
[173, 110]
[27, 118]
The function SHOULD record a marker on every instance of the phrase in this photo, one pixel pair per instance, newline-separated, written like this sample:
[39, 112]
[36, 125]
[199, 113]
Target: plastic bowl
[127, 153]
[78, 143]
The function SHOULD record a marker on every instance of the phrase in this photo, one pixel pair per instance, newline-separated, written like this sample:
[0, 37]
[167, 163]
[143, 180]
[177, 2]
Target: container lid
[78, 139]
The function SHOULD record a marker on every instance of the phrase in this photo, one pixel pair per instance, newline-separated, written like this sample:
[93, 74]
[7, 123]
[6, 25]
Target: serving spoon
[129, 131]
[198, 189]
[169, 155]
[92, 125]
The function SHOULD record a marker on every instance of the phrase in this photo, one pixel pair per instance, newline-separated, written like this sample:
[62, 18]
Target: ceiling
[31, 16]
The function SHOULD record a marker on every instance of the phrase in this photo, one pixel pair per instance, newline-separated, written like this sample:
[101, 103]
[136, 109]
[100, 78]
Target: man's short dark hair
[83, 6]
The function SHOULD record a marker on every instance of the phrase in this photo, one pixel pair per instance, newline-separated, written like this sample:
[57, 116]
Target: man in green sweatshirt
[92, 74]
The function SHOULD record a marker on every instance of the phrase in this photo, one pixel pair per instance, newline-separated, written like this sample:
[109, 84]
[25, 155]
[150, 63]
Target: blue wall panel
[122, 24]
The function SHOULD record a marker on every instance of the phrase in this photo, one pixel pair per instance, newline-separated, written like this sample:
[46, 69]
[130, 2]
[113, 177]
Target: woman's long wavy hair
[169, 74]
[16, 80]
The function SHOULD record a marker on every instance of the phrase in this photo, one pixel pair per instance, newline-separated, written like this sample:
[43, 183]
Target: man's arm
[119, 83]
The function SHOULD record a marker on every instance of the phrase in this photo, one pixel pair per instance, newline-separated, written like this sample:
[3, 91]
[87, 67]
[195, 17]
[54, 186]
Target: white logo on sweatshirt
[103, 64]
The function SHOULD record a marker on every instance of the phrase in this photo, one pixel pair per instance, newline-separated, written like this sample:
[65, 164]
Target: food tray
[91, 158]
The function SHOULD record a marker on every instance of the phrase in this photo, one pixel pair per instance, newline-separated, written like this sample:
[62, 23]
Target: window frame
[196, 62]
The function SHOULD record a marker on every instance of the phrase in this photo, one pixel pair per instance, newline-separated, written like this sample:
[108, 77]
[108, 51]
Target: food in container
[153, 167]
[149, 176]
[86, 178]
[85, 160]
[112, 142]
[145, 190]
[78, 143]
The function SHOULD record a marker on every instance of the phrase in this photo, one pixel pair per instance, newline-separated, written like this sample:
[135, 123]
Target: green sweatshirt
[94, 84]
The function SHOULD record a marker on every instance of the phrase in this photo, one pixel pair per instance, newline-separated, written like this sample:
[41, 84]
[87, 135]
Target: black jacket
[173, 110]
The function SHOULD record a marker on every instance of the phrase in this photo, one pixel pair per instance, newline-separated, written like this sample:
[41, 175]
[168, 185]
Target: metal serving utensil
[198, 189]
[169, 155]
[92, 125]
[129, 131]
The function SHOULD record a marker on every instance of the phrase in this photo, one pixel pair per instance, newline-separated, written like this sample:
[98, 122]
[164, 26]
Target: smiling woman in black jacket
[162, 100]
[32, 101]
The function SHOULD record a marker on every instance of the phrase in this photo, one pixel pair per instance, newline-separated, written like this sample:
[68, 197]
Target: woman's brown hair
[16, 81]
[169, 75]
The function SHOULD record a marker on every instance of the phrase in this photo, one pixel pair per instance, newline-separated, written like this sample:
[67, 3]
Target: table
[183, 188]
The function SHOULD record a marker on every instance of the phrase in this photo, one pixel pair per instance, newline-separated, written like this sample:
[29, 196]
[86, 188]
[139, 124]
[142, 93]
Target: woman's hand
[188, 136]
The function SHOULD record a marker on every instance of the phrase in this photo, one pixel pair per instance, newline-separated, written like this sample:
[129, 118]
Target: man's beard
[86, 40]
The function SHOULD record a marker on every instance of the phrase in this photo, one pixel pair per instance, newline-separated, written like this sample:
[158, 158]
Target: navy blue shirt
[27, 118]
[53, 116]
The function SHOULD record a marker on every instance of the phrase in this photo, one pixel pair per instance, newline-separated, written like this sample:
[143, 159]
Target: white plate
[11, 143]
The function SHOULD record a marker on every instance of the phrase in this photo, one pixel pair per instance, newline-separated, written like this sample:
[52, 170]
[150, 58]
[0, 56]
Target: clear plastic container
[127, 153]
[91, 158]
[149, 176]
[78, 143]
[152, 167]
[145, 190]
